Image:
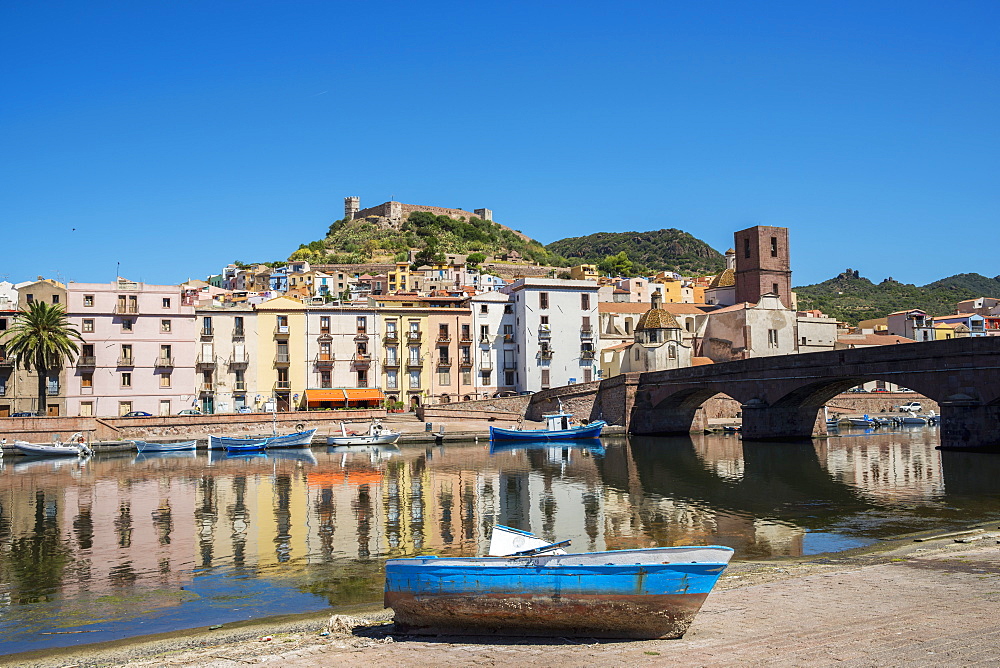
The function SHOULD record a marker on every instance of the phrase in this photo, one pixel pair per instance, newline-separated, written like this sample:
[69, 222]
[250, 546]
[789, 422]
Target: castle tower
[762, 264]
[351, 207]
[484, 214]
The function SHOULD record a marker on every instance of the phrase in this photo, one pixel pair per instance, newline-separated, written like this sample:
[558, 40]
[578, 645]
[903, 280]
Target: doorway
[52, 410]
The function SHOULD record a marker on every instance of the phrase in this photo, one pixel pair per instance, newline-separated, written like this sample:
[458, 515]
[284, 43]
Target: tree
[616, 265]
[41, 339]
[475, 259]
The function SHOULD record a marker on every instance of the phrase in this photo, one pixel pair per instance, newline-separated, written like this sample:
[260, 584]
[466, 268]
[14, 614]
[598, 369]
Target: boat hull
[297, 440]
[181, 446]
[39, 450]
[645, 594]
[381, 439]
[592, 430]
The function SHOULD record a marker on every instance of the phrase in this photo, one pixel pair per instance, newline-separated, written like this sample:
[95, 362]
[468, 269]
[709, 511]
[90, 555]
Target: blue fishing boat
[591, 445]
[296, 440]
[539, 591]
[252, 446]
[558, 427]
[145, 446]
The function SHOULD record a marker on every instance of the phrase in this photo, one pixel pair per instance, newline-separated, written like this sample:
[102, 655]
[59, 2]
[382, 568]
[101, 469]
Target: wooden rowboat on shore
[643, 594]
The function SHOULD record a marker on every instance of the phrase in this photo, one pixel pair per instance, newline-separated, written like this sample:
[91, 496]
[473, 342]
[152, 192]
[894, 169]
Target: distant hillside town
[322, 336]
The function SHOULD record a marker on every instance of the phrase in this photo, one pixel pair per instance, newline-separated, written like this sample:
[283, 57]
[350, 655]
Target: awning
[364, 394]
[316, 396]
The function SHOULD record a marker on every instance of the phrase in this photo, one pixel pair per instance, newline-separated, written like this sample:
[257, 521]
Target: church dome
[726, 279]
[657, 318]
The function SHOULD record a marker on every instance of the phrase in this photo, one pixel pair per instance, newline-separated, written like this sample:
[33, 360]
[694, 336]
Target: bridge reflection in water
[179, 539]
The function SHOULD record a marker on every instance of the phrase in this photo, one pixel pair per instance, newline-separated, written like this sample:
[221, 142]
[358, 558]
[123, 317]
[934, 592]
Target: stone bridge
[782, 397]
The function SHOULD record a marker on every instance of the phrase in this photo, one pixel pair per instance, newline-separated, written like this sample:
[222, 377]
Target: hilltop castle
[396, 212]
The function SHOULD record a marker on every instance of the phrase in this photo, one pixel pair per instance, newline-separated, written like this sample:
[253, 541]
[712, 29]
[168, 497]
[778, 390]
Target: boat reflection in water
[591, 445]
[178, 542]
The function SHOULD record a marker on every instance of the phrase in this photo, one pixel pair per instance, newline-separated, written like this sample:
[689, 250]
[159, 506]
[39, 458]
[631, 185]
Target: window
[484, 309]
[87, 380]
[637, 353]
[466, 377]
[544, 319]
[164, 380]
[88, 300]
[164, 325]
[485, 377]
[484, 333]
[414, 380]
[671, 352]
[392, 379]
[509, 378]
[324, 380]
[127, 325]
[444, 377]
[126, 379]
[746, 247]
[124, 407]
[362, 324]
[772, 338]
[126, 356]
[585, 301]
[466, 332]
[508, 360]
[324, 324]
[55, 299]
[545, 378]
[166, 302]
[588, 374]
[774, 288]
[774, 246]
[238, 326]
[88, 326]
[803, 341]
[543, 300]
[206, 326]
[30, 298]
[164, 406]
[628, 326]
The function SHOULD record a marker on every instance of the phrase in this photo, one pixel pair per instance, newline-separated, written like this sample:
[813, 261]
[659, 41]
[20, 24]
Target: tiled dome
[657, 318]
[726, 279]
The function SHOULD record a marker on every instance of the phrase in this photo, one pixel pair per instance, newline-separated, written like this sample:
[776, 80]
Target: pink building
[138, 352]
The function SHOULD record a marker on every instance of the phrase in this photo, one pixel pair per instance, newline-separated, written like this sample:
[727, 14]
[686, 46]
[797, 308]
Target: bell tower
[762, 264]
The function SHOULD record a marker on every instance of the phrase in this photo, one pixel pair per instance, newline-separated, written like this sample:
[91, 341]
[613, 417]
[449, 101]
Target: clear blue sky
[175, 137]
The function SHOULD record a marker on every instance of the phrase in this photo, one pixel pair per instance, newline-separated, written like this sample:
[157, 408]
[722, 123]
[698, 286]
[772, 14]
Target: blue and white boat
[558, 427]
[539, 591]
[251, 445]
[179, 446]
[298, 439]
[591, 445]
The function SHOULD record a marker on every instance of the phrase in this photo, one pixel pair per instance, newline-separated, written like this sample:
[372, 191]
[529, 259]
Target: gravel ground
[903, 603]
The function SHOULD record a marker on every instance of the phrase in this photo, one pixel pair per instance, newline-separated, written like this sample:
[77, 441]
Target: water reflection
[114, 543]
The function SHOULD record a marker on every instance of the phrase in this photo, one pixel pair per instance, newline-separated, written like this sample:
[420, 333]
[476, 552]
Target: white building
[493, 327]
[556, 321]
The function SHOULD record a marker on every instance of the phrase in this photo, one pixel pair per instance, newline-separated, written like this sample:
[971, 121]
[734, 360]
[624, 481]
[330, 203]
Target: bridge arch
[677, 412]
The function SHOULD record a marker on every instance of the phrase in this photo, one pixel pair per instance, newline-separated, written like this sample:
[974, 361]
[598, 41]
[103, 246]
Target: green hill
[432, 236]
[851, 298]
[656, 250]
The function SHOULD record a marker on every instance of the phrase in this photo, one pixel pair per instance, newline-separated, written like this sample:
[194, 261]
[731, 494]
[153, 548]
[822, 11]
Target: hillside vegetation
[656, 250]
[432, 236]
[851, 298]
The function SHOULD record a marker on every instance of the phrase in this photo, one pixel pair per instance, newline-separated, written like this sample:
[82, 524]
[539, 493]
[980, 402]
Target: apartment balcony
[588, 354]
[282, 384]
[52, 390]
[82, 360]
[126, 360]
[545, 354]
[390, 337]
[281, 329]
[444, 361]
[414, 337]
[205, 361]
[444, 338]
[486, 365]
[282, 359]
[324, 359]
[485, 341]
[239, 333]
[361, 335]
[509, 340]
[207, 331]
[415, 362]
[164, 362]
[586, 333]
[391, 362]
[362, 359]
[466, 338]
[239, 360]
[465, 362]
[544, 332]
[206, 388]
[239, 386]
[126, 309]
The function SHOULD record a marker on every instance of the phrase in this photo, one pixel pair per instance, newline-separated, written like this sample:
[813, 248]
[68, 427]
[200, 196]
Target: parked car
[914, 406]
[880, 390]
[190, 411]
[138, 414]
[24, 414]
[244, 409]
[858, 389]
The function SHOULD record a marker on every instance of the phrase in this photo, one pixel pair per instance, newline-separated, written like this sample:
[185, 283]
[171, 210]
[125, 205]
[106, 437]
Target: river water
[123, 545]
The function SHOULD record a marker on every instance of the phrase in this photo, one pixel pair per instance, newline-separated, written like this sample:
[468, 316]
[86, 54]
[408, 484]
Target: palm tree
[42, 338]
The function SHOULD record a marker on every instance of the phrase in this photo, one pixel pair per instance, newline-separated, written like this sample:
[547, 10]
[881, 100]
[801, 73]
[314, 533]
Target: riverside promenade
[919, 604]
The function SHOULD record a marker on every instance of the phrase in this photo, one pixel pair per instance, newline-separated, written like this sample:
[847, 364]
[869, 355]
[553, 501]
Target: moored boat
[644, 593]
[376, 435]
[591, 445]
[258, 445]
[76, 446]
[558, 427]
[179, 446]
[295, 440]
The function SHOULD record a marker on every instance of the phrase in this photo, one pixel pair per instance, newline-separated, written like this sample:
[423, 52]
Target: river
[124, 545]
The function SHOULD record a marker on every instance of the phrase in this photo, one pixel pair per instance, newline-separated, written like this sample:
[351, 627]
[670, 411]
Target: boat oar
[540, 550]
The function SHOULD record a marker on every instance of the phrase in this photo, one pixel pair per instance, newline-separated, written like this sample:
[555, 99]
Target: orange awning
[364, 394]
[316, 396]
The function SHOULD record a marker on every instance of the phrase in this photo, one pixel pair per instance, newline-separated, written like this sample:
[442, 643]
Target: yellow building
[584, 272]
[400, 278]
[671, 289]
[281, 352]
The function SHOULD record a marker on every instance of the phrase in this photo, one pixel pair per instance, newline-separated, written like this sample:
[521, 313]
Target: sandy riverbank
[900, 603]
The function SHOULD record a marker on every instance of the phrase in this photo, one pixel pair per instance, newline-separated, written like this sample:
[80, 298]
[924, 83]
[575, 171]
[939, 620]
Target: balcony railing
[239, 360]
[164, 362]
[206, 360]
[282, 384]
[544, 332]
[281, 329]
[413, 336]
[415, 362]
[391, 336]
[391, 362]
[239, 386]
[205, 388]
[282, 358]
[207, 331]
[126, 309]
[52, 390]
[545, 354]
[586, 333]
[587, 354]
[508, 339]
[465, 361]
[324, 359]
[239, 333]
[362, 359]
[444, 361]
[444, 338]
[83, 360]
[126, 360]
[485, 341]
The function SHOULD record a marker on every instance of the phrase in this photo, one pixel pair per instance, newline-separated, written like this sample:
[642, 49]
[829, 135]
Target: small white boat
[143, 446]
[76, 446]
[376, 435]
